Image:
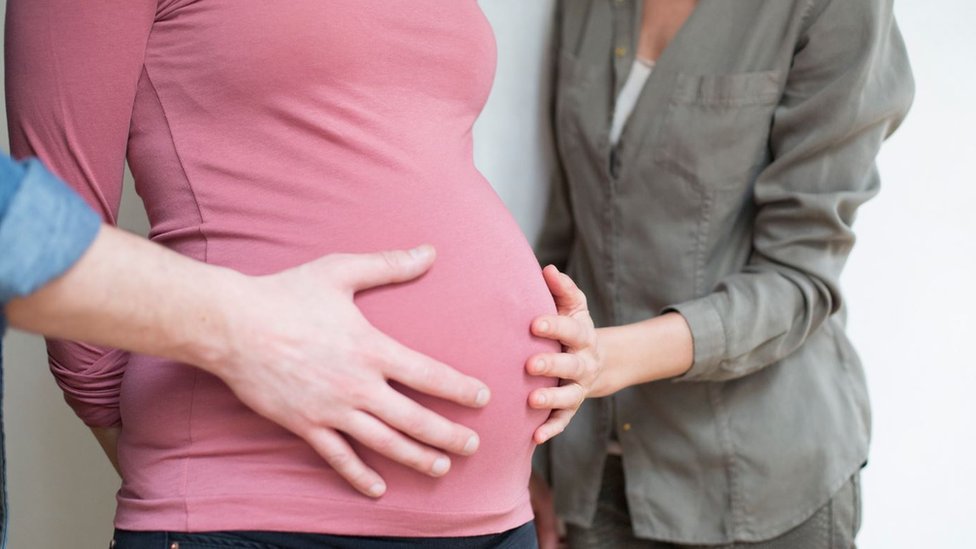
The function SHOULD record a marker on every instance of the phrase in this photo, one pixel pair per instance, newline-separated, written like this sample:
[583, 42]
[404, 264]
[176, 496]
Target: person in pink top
[262, 135]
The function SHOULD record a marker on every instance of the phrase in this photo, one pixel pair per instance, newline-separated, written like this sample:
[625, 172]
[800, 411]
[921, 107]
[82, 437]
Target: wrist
[643, 352]
[610, 379]
[211, 337]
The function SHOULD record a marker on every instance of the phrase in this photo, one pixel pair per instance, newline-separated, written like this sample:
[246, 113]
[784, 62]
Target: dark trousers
[522, 537]
[833, 526]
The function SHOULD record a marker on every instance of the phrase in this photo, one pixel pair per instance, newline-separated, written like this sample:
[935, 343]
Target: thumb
[363, 271]
[567, 296]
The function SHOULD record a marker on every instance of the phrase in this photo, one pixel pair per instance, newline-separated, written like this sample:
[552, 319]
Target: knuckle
[360, 477]
[340, 461]
[316, 416]
[416, 427]
[385, 444]
[375, 355]
[580, 296]
[570, 326]
[332, 262]
[381, 353]
[580, 396]
[580, 367]
[415, 458]
[591, 339]
[358, 394]
[393, 260]
[420, 461]
[426, 373]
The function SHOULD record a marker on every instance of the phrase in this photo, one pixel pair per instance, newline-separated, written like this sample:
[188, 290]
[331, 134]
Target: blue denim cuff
[11, 174]
[46, 228]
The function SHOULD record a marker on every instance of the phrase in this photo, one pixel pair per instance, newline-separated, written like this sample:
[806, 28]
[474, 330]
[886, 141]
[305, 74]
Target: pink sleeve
[72, 67]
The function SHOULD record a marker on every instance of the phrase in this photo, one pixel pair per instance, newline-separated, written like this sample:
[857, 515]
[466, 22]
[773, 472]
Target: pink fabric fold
[91, 378]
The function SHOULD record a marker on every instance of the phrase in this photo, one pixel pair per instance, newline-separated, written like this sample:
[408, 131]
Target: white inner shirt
[627, 100]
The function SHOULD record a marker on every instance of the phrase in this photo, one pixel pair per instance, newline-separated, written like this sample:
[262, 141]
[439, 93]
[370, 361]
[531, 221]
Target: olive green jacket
[729, 199]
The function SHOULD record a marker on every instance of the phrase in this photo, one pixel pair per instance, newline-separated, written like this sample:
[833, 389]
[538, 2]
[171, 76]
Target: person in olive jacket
[712, 158]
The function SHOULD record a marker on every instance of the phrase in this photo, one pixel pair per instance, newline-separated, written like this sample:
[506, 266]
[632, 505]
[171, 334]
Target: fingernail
[441, 465]
[471, 445]
[421, 252]
[544, 326]
[377, 489]
[539, 365]
[482, 398]
[540, 400]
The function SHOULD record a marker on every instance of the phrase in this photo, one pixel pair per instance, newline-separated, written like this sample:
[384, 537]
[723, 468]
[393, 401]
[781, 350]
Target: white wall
[513, 141]
[909, 286]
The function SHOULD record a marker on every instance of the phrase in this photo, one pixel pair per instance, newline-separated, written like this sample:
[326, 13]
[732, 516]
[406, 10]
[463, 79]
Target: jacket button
[620, 51]
[626, 426]
[174, 545]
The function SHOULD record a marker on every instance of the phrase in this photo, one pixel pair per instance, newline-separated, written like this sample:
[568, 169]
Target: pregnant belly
[472, 311]
[187, 436]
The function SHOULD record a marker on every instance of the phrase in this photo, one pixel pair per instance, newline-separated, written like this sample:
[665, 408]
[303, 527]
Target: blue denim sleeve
[11, 174]
[44, 229]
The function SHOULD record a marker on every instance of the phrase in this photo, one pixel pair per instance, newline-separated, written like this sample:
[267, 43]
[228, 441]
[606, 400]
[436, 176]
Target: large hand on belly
[306, 358]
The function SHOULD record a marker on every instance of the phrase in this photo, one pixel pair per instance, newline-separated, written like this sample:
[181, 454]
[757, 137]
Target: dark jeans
[522, 537]
[833, 526]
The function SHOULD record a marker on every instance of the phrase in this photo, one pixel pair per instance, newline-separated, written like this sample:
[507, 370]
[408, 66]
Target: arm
[314, 368]
[848, 89]
[72, 71]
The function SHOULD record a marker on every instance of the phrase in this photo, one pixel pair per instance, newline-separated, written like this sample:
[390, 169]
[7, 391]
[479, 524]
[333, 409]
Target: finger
[362, 271]
[424, 374]
[337, 452]
[546, 523]
[564, 329]
[388, 442]
[547, 530]
[412, 419]
[568, 397]
[568, 297]
[560, 365]
[556, 424]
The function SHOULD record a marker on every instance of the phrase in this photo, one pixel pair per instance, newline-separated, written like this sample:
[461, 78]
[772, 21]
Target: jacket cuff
[708, 336]
[46, 229]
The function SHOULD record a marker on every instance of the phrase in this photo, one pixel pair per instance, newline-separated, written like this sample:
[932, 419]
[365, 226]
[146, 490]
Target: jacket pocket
[716, 129]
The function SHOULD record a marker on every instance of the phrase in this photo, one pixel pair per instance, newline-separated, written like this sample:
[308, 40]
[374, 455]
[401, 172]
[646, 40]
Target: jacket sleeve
[44, 228]
[849, 87]
[71, 71]
[556, 237]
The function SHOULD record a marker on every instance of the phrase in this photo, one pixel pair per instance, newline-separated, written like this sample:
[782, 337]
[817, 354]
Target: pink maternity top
[263, 134]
